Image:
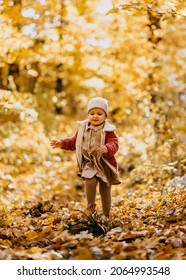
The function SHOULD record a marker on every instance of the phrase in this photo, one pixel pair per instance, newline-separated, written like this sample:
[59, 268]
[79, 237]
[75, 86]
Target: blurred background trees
[56, 54]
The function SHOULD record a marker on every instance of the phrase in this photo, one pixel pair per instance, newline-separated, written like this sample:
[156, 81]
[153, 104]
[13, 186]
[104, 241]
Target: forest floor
[42, 204]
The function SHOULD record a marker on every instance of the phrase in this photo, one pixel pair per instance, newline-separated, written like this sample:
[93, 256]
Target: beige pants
[105, 193]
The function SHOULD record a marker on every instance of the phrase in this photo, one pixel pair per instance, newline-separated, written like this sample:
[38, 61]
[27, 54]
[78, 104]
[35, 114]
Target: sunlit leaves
[161, 8]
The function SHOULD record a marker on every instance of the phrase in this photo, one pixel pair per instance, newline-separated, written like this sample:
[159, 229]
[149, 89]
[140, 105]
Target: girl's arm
[65, 143]
[111, 142]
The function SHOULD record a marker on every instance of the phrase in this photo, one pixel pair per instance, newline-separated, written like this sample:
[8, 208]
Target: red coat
[111, 142]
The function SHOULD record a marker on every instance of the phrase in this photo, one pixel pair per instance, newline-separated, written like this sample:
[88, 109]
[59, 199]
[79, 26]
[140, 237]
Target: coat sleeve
[69, 143]
[111, 142]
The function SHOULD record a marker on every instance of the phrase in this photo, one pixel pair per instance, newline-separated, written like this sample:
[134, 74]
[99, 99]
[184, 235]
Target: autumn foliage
[54, 56]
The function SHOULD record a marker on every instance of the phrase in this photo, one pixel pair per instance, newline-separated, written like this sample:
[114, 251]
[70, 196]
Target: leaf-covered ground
[41, 213]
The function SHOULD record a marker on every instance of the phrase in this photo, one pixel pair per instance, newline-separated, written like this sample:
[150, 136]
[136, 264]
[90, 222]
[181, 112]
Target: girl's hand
[103, 150]
[55, 143]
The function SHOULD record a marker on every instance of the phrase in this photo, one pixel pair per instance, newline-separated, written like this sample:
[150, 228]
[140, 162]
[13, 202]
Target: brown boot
[90, 209]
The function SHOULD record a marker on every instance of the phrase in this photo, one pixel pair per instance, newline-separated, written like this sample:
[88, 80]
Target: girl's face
[96, 116]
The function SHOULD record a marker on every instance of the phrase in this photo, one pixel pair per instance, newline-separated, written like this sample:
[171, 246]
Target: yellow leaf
[31, 235]
[112, 11]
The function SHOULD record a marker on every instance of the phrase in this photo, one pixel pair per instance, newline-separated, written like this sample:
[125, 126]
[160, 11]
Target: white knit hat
[98, 102]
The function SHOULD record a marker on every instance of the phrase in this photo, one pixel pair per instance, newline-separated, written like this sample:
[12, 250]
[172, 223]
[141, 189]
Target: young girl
[95, 143]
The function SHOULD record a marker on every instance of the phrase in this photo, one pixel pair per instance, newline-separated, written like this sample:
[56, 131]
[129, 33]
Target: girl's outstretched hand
[55, 143]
